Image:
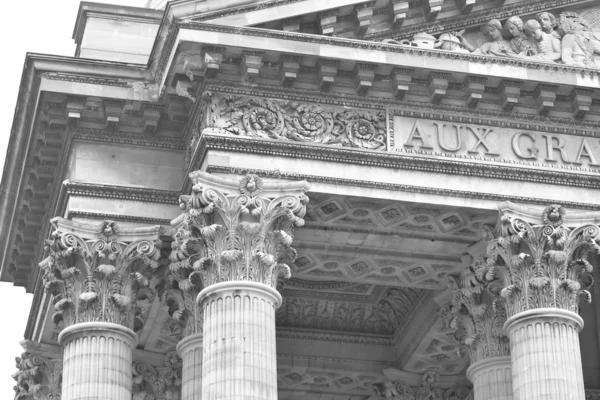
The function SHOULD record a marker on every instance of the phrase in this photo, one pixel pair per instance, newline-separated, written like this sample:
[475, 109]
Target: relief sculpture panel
[567, 38]
[298, 122]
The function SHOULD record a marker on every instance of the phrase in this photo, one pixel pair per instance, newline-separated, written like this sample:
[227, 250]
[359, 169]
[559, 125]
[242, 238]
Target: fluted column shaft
[546, 359]
[97, 361]
[190, 351]
[240, 359]
[492, 378]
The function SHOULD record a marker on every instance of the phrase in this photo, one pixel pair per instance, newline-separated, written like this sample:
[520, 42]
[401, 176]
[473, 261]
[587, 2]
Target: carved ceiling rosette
[37, 377]
[476, 317]
[231, 231]
[164, 383]
[299, 122]
[100, 272]
[542, 265]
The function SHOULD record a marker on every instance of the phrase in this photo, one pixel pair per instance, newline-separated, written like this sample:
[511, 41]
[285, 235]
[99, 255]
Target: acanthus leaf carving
[299, 122]
[476, 317]
[230, 231]
[37, 377]
[101, 277]
[163, 383]
[540, 266]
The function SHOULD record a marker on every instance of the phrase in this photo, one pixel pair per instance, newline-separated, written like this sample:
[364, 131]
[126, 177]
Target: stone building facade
[308, 199]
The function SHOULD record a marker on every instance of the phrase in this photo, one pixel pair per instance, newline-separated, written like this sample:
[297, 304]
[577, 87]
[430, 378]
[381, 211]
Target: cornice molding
[126, 138]
[120, 218]
[390, 48]
[335, 337]
[146, 195]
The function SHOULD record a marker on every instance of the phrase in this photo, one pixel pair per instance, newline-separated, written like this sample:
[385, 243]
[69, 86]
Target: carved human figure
[548, 23]
[520, 43]
[496, 45]
[579, 43]
[450, 41]
[547, 46]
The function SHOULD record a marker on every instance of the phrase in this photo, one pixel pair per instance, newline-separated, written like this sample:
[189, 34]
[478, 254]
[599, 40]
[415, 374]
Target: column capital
[162, 382]
[476, 317]
[37, 377]
[538, 258]
[98, 272]
[231, 230]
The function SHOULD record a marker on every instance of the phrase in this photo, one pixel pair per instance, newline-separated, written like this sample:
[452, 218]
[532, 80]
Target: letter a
[415, 134]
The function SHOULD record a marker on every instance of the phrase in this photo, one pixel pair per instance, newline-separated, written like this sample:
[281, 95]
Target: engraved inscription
[471, 141]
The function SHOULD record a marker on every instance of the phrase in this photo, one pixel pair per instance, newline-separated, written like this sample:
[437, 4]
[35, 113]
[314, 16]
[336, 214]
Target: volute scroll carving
[97, 273]
[545, 265]
[231, 230]
[163, 383]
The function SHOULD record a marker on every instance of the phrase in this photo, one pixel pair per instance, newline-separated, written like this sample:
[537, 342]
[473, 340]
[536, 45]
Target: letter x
[481, 141]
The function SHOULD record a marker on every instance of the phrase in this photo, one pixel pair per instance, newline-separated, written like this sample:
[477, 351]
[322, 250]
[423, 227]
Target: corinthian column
[478, 322]
[233, 241]
[538, 264]
[96, 275]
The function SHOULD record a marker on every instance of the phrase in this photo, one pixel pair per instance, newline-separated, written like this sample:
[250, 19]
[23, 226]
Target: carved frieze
[429, 390]
[299, 122]
[383, 317]
[540, 265]
[99, 272]
[37, 378]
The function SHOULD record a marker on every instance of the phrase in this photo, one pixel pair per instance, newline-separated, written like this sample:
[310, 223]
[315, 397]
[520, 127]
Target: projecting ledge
[361, 51]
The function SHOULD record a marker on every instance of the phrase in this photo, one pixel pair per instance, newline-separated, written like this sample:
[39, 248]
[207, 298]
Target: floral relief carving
[476, 318]
[98, 279]
[164, 383]
[429, 390]
[540, 266]
[299, 122]
[37, 378]
[230, 231]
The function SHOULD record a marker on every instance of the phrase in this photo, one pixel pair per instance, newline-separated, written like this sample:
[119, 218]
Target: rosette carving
[231, 231]
[299, 122]
[100, 278]
[37, 378]
[476, 318]
[163, 383]
[540, 266]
